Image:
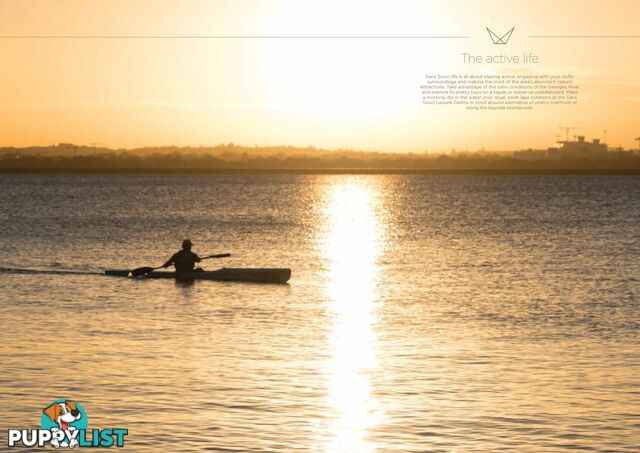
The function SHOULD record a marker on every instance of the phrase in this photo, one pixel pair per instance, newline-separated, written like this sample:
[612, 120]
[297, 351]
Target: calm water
[425, 313]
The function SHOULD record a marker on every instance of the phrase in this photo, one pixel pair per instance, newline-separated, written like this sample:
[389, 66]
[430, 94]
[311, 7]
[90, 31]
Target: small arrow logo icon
[500, 39]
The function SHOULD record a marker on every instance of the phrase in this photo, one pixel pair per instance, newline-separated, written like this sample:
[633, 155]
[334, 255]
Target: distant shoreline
[233, 159]
[331, 171]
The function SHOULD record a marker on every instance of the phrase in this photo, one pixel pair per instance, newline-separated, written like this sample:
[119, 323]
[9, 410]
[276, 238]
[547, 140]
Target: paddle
[145, 270]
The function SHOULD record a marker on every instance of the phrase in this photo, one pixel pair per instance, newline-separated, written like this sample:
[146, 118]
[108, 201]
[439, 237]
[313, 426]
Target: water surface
[425, 313]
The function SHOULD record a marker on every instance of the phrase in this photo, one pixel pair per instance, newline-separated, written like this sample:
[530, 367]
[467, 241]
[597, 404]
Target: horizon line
[100, 146]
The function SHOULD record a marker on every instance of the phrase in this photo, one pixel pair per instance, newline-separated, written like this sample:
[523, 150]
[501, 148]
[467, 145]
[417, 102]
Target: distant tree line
[231, 157]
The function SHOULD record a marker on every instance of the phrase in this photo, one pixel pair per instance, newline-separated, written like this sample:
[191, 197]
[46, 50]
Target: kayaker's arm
[170, 262]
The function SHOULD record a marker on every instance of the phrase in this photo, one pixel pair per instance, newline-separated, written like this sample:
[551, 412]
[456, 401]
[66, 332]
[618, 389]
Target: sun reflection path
[352, 246]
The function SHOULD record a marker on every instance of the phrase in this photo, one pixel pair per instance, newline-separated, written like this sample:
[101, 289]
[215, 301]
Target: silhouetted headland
[574, 157]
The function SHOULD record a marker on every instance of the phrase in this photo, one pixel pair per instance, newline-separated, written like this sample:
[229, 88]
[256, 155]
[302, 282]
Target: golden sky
[328, 92]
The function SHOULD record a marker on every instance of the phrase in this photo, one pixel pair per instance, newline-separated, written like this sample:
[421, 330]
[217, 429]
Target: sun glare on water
[351, 248]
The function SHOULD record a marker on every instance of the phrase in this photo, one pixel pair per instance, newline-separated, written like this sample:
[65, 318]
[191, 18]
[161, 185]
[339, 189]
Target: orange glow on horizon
[329, 93]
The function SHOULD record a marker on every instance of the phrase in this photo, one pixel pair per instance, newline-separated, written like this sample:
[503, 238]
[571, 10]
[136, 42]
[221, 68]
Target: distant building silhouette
[575, 150]
[579, 149]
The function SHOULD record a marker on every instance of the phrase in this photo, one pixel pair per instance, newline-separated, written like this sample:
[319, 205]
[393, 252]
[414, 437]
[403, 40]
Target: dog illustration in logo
[63, 413]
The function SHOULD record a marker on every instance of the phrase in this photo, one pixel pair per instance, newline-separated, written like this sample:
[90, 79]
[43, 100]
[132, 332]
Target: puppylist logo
[64, 423]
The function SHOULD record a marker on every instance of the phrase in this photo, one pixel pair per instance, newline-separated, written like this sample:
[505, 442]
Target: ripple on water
[425, 313]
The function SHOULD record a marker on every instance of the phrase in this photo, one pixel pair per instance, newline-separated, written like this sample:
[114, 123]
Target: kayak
[257, 275]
